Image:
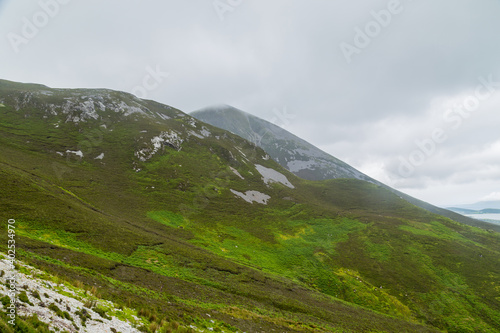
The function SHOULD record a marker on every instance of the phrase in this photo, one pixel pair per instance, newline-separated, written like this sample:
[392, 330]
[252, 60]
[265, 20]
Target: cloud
[493, 196]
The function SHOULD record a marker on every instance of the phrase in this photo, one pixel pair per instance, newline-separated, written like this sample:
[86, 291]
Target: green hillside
[189, 224]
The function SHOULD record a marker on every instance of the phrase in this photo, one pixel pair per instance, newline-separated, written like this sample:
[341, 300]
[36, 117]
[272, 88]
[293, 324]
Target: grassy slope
[173, 232]
[135, 265]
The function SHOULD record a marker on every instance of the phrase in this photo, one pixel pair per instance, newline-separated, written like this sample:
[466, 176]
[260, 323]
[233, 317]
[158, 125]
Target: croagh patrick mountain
[127, 215]
[302, 158]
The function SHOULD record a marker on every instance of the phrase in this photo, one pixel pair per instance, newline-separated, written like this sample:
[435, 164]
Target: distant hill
[471, 211]
[480, 205]
[302, 158]
[462, 210]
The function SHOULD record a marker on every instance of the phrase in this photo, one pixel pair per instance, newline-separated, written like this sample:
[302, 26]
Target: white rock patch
[88, 109]
[243, 156]
[236, 172]
[241, 152]
[77, 153]
[205, 132]
[58, 295]
[271, 175]
[162, 116]
[82, 108]
[127, 110]
[251, 196]
[157, 141]
[193, 133]
[171, 138]
[297, 165]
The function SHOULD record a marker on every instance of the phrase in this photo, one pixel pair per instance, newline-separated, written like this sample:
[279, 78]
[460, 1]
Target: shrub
[24, 298]
[5, 301]
[84, 315]
[102, 313]
[36, 295]
[59, 312]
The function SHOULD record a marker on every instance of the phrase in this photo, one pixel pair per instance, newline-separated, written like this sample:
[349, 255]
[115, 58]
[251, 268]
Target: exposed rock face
[45, 296]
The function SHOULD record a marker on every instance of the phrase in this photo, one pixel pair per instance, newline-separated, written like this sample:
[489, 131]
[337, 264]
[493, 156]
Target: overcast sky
[363, 80]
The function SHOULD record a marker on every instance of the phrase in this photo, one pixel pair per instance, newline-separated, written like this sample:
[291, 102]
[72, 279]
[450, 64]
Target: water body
[493, 218]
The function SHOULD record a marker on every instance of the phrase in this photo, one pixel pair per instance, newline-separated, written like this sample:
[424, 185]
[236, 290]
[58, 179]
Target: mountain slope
[192, 225]
[293, 153]
[302, 158]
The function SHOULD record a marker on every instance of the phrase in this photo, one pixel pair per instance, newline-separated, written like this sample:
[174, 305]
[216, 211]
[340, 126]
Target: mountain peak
[219, 108]
[293, 153]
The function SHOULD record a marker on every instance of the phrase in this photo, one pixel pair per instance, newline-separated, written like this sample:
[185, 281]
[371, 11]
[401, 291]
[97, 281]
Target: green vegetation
[36, 294]
[168, 238]
[84, 316]
[23, 325]
[23, 297]
[101, 312]
[5, 301]
[59, 312]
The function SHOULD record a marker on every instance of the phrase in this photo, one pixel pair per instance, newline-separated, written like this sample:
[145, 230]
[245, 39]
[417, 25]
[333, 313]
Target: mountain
[131, 206]
[471, 211]
[491, 215]
[293, 153]
[480, 205]
[489, 211]
[462, 210]
[302, 158]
